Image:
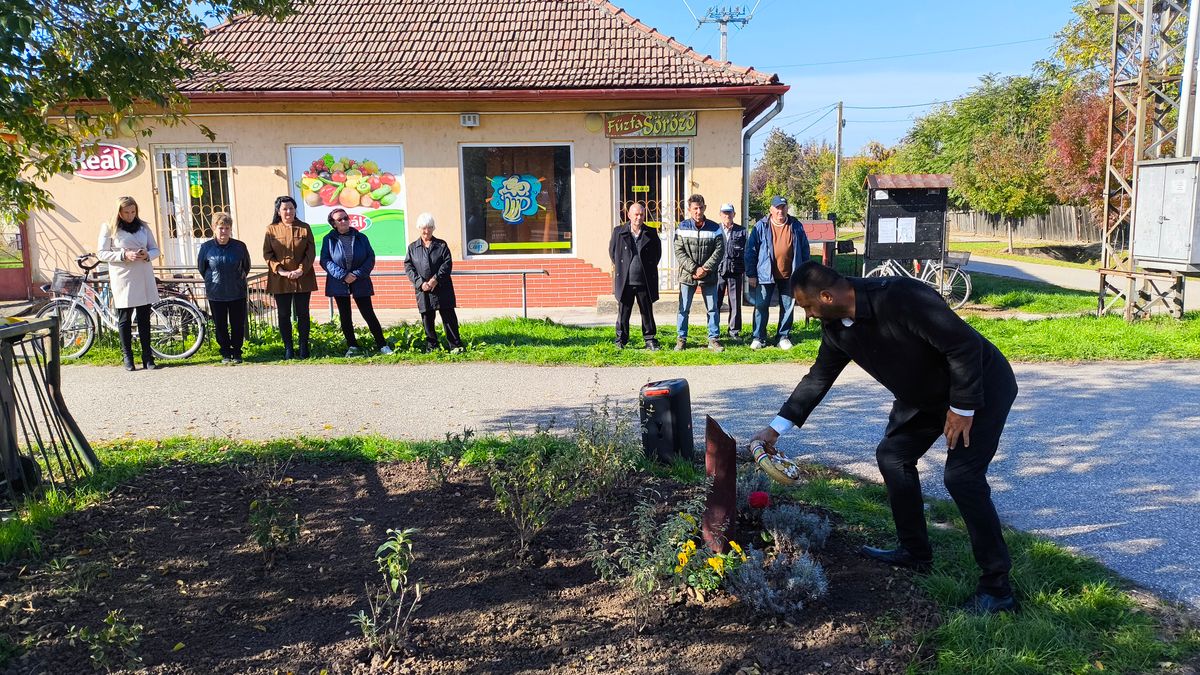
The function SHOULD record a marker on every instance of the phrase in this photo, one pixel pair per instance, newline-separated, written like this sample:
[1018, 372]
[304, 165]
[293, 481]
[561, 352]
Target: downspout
[746, 156]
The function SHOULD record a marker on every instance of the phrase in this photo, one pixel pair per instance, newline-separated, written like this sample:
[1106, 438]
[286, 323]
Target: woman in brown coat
[290, 250]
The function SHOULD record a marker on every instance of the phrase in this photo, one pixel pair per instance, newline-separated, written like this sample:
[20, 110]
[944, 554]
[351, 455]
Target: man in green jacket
[699, 248]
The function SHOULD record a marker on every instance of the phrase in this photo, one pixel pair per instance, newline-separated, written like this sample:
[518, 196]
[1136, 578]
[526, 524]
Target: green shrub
[780, 587]
[113, 645]
[610, 446]
[534, 479]
[795, 530]
[445, 457]
[391, 607]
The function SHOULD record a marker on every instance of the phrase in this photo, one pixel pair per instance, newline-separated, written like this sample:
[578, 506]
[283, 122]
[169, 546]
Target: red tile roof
[819, 231]
[897, 181]
[458, 45]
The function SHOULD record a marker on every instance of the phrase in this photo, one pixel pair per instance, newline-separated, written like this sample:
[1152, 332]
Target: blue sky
[786, 33]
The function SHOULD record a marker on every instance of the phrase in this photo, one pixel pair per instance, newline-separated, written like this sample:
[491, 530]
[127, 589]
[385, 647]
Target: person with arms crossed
[947, 379]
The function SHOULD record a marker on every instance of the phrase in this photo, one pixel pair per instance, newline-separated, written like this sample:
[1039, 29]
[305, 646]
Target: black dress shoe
[128, 364]
[986, 603]
[652, 345]
[899, 557]
[619, 345]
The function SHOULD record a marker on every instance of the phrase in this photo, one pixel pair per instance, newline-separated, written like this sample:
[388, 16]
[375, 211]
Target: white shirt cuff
[964, 413]
[781, 425]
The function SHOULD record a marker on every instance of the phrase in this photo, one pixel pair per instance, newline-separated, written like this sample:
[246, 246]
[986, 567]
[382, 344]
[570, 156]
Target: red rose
[759, 500]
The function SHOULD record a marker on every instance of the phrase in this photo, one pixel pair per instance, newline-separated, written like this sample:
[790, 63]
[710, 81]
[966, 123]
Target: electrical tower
[1150, 102]
[725, 16]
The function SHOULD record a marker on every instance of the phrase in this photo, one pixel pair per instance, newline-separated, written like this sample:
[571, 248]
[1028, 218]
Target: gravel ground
[1101, 457]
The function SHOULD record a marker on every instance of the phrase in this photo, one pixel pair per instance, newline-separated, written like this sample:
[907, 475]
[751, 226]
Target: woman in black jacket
[428, 266]
[224, 263]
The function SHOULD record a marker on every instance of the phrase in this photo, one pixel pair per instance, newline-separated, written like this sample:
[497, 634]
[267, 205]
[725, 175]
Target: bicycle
[178, 326]
[949, 279]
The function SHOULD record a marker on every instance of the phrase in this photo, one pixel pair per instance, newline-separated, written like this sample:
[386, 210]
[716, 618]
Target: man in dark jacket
[635, 251]
[731, 271]
[947, 379]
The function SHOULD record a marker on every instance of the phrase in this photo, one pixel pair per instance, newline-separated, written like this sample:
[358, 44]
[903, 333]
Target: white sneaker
[785, 344]
[385, 350]
[756, 344]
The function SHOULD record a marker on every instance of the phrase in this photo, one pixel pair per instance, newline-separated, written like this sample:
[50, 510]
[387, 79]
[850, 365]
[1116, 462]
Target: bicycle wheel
[177, 328]
[76, 329]
[956, 286]
[880, 271]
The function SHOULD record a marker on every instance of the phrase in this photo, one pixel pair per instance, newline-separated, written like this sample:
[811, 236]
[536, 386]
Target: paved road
[1067, 277]
[1101, 457]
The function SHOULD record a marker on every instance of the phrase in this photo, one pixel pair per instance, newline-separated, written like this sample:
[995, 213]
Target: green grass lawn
[1076, 616]
[544, 342]
[1028, 297]
[995, 249]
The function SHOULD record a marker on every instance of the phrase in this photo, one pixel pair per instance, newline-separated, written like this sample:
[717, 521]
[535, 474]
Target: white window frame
[462, 191]
[666, 266]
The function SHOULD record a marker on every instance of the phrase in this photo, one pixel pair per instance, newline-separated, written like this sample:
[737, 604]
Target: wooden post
[720, 463]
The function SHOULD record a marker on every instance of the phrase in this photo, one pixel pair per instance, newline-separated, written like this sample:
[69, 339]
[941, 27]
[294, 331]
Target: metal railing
[40, 443]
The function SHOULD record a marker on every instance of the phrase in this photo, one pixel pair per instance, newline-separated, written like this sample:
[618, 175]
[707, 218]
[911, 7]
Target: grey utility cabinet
[1166, 234]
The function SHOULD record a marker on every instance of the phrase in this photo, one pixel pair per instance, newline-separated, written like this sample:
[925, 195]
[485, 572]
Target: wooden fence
[1062, 223]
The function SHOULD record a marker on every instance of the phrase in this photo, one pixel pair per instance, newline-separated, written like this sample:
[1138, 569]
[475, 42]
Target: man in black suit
[635, 251]
[947, 379]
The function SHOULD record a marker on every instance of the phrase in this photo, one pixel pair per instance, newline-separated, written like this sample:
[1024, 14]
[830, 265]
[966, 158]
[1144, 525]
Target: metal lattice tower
[1145, 102]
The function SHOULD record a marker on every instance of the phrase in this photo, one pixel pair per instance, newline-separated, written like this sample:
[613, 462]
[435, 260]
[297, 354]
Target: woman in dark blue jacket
[224, 263]
[347, 258]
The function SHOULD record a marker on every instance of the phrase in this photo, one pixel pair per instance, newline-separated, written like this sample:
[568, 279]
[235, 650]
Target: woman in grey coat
[428, 266]
[127, 244]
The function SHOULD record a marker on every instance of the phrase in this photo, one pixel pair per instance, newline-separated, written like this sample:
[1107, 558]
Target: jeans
[686, 294]
[730, 288]
[229, 317]
[368, 313]
[760, 297]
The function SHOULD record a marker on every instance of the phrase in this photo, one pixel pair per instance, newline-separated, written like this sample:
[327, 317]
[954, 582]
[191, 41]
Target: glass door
[657, 176]
[192, 184]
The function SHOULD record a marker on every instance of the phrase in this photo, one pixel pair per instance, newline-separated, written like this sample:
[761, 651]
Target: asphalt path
[1101, 457]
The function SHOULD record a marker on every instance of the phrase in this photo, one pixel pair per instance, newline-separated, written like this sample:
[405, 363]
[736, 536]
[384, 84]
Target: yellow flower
[737, 549]
[688, 517]
[683, 558]
[690, 547]
[678, 569]
[718, 564]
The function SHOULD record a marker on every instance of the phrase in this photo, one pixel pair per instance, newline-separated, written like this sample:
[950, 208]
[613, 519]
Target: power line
[814, 123]
[806, 113]
[905, 56]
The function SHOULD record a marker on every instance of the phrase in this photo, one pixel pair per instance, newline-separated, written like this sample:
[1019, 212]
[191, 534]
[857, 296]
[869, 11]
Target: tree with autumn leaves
[1015, 145]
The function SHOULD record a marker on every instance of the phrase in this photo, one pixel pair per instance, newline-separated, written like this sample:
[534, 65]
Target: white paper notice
[906, 230]
[887, 230]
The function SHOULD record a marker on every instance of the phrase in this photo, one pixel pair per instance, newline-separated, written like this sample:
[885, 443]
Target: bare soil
[172, 549]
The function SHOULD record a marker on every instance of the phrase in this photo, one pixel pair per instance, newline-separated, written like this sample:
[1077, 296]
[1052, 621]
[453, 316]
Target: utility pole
[837, 149]
[724, 16]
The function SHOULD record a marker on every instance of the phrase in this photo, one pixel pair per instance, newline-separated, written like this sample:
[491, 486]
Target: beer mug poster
[515, 196]
[365, 180]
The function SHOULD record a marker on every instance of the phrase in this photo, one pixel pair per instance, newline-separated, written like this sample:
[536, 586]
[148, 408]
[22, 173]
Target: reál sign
[651, 123]
[108, 161]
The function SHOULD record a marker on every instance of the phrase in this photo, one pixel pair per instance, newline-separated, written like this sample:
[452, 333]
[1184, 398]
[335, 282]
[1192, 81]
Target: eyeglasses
[343, 219]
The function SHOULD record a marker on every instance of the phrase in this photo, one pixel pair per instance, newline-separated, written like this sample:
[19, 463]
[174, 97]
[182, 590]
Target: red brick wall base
[572, 283]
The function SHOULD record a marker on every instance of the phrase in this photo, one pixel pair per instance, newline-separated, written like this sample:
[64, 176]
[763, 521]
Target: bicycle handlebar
[80, 260]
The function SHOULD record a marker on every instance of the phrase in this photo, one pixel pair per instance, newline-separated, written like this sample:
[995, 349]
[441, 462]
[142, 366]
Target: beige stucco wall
[257, 137]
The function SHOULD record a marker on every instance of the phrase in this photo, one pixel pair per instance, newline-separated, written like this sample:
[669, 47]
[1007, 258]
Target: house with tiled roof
[524, 128]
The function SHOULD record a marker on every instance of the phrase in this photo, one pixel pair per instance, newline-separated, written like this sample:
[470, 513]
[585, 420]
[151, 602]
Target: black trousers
[286, 304]
[645, 305]
[910, 433]
[449, 324]
[729, 289]
[125, 317]
[229, 317]
[368, 313]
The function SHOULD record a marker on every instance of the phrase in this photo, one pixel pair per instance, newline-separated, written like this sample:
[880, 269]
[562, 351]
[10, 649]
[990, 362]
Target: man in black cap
[775, 248]
[731, 271]
[947, 380]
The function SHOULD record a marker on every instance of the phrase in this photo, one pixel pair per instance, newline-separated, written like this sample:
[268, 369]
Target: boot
[147, 352]
[148, 362]
[126, 335]
[303, 353]
[288, 353]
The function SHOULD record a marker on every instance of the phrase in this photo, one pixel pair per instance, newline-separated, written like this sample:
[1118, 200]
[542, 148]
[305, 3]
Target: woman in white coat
[127, 244]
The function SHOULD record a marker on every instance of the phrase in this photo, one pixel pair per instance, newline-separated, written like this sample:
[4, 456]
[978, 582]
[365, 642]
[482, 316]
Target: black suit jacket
[622, 249]
[906, 337]
[422, 264]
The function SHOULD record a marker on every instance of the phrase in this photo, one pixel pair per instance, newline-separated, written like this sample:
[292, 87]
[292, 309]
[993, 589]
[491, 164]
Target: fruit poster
[365, 180]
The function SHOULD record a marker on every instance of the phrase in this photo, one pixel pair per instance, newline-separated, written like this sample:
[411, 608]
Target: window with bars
[194, 184]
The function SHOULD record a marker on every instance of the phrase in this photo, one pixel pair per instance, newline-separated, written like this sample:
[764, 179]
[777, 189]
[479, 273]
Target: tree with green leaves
[78, 71]
[850, 202]
[790, 168]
